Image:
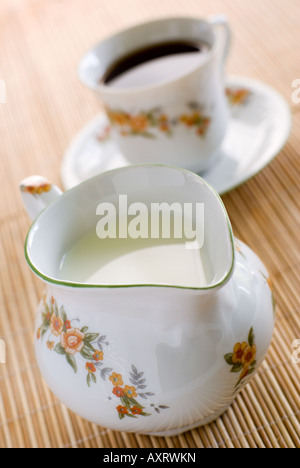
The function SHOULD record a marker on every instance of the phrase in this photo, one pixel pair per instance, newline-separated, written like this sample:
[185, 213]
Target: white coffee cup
[180, 119]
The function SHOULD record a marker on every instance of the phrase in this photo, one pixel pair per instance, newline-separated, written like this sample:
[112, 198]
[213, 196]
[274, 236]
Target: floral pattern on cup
[243, 358]
[67, 340]
[237, 96]
[143, 123]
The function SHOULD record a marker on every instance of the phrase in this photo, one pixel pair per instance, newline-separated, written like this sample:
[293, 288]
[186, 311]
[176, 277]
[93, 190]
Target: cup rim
[104, 89]
[89, 286]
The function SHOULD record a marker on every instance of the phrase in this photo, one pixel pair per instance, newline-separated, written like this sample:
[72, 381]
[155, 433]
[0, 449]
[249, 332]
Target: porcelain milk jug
[148, 355]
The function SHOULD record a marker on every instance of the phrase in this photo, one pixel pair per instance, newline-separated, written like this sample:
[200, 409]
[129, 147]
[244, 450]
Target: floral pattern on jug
[143, 123]
[72, 341]
[127, 394]
[36, 189]
[242, 359]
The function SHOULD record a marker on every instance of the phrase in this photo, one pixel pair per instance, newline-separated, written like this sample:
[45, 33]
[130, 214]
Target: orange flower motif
[118, 391]
[118, 118]
[238, 352]
[136, 410]
[130, 391]
[52, 300]
[56, 325]
[50, 345]
[244, 373]
[237, 96]
[183, 118]
[68, 324]
[243, 358]
[163, 119]
[43, 188]
[38, 333]
[116, 379]
[122, 409]
[98, 355]
[138, 123]
[72, 340]
[164, 128]
[141, 124]
[90, 367]
[249, 355]
[36, 189]
[195, 117]
[189, 121]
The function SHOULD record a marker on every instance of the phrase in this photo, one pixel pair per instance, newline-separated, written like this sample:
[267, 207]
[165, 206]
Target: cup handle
[37, 192]
[221, 22]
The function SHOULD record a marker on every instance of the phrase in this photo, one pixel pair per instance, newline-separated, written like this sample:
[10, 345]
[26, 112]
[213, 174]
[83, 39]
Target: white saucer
[259, 127]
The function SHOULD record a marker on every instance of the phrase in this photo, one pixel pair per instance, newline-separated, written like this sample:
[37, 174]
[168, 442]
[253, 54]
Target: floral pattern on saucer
[266, 119]
[237, 96]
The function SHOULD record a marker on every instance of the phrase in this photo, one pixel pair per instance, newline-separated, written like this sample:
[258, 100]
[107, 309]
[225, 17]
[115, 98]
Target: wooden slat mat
[41, 43]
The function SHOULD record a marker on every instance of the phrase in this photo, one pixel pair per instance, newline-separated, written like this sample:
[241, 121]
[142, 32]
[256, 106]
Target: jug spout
[37, 192]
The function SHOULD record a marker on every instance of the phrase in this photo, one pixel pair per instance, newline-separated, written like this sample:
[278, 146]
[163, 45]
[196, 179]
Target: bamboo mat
[41, 43]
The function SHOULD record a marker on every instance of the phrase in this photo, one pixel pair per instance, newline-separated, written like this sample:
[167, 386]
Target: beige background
[40, 45]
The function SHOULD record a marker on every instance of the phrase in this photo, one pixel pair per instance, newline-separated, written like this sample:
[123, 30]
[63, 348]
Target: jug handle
[37, 192]
[220, 21]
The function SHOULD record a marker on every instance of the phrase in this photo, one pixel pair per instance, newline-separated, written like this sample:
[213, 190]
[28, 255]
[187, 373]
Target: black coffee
[155, 63]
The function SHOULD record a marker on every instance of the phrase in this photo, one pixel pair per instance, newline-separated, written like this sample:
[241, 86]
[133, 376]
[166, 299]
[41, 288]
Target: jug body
[155, 361]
